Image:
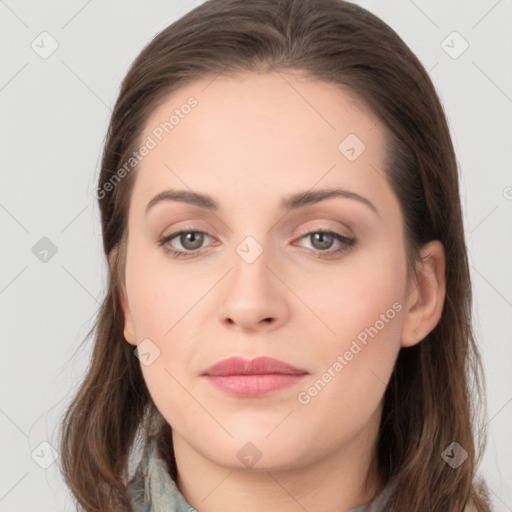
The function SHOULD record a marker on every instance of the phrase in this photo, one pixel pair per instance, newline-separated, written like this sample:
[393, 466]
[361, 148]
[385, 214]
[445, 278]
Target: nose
[255, 297]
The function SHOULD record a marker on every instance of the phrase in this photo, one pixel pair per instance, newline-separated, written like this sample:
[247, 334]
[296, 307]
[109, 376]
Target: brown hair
[431, 400]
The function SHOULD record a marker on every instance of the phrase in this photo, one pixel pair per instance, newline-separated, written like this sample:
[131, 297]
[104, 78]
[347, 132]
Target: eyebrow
[288, 203]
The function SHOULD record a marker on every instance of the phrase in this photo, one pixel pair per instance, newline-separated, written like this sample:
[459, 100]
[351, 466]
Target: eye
[323, 240]
[190, 240]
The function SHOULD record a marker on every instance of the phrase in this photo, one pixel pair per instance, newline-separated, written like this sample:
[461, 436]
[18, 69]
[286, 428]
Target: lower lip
[254, 385]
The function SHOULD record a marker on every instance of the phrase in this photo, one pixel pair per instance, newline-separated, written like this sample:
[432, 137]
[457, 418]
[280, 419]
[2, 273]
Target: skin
[251, 141]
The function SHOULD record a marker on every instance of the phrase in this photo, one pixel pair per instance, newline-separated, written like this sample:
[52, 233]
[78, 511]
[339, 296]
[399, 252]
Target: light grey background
[54, 116]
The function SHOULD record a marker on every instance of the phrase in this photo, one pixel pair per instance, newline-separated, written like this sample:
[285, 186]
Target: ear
[129, 332]
[425, 299]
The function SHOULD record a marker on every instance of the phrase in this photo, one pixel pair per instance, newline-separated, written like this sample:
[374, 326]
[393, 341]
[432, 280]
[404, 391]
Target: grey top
[152, 489]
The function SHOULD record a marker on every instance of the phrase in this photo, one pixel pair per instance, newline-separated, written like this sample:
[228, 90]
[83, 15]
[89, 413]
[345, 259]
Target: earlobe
[425, 300]
[129, 333]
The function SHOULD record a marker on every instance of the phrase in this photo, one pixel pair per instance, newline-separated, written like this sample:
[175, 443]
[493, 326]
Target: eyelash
[347, 243]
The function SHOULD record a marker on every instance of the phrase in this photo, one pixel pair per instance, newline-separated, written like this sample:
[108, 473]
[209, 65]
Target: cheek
[353, 372]
[362, 308]
[360, 295]
[159, 298]
[160, 308]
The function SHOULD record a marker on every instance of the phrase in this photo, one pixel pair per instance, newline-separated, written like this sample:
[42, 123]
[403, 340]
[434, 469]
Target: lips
[253, 378]
[258, 366]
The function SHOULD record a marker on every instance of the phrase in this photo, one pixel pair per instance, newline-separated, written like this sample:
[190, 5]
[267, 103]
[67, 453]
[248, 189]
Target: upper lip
[256, 366]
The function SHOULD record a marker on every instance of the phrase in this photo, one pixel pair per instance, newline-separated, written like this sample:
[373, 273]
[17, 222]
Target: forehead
[266, 132]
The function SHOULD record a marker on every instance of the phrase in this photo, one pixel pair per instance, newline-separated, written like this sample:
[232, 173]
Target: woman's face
[261, 277]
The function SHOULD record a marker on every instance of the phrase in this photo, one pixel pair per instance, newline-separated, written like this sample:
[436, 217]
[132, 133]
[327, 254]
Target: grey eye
[321, 240]
[191, 240]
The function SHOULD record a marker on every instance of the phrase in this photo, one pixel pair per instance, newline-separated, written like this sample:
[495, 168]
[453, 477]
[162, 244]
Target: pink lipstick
[255, 377]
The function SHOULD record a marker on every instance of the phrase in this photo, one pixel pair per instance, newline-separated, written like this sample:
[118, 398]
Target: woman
[287, 324]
